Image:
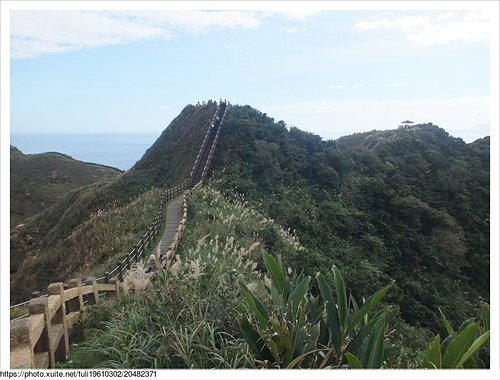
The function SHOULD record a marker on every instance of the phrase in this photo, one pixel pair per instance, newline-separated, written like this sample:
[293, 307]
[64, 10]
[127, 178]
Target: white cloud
[296, 13]
[472, 26]
[458, 116]
[358, 86]
[405, 24]
[35, 33]
[195, 22]
[293, 29]
[41, 32]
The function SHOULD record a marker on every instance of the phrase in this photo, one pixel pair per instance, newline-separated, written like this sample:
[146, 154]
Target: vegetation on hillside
[229, 300]
[93, 246]
[401, 215]
[189, 316]
[37, 181]
[408, 204]
[42, 247]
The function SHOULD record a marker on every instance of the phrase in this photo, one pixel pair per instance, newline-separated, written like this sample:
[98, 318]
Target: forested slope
[408, 204]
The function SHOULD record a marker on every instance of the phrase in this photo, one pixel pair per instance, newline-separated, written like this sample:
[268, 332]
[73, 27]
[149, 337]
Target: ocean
[121, 151]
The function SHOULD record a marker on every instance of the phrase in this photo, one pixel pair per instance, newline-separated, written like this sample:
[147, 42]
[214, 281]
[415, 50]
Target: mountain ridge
[377, 210]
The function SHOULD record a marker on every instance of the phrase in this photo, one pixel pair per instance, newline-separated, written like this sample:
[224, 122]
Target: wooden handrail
[42, 338]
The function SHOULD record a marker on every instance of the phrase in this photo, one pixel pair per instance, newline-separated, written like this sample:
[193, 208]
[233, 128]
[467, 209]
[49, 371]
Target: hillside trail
[174, 210]
[172, 217]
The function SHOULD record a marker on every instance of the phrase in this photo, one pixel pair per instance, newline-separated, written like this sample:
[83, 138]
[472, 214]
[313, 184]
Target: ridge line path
[172, 219]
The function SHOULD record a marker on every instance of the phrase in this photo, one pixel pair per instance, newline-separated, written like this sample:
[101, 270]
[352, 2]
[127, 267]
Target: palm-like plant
[300, 330]
[460, 348]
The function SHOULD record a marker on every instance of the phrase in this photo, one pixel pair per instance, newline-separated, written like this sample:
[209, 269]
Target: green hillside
[407, 204]
[60, 242]
[406, 207]
[225, 301]
[38, 180]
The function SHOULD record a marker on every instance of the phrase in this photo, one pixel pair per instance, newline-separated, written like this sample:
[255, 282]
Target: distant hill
[61, 241]
[38, 180]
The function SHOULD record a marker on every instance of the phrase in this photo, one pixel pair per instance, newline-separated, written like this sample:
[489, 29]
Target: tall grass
[188, 315]
[195, 312]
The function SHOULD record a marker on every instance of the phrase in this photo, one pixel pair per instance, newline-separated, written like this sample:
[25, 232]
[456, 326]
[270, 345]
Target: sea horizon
[121, 151]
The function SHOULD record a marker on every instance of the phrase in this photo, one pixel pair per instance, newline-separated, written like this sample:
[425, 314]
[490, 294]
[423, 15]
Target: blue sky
[329, 72]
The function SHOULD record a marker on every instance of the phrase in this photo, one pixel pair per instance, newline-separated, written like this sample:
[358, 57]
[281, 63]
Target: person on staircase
[152, 264]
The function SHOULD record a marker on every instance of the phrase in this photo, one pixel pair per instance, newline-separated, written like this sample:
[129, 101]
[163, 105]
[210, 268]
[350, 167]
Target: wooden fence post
[21, 346]
[75, 304]
[134, 253]
[93, 297]
[117, 287]
[120, 271]
[59, 318]
[106, 277]
[127, 260]
[150, 235]
[39, 306]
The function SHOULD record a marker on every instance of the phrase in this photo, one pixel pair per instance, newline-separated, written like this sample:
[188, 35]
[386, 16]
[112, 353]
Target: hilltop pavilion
[406, 124]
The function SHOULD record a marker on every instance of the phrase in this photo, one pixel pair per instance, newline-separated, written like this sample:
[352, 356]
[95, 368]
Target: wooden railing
[40, 337]
[207, 149]
[216, 140]
[137, 252]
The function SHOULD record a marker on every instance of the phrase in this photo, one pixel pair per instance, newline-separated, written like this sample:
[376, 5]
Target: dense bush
[408, 204]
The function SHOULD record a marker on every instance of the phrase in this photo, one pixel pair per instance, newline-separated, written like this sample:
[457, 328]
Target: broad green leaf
[299, 293]
[475, 346]
[254, 303]
[313, 338]
[315, 311]
[324, 333]
[341, 297]
[275, 271]
[458, 346]
[353, 361]
[485, 316]
[468, 322]
[274, 350]
[446, 342]
[354, 304]
[332, 318]
[370, 303]
[432, 357]
[447, 324]
[374, 356]
[276, 297]
[299, 359]
[287, 347]
[390, 312]
[299, 342]
[276, 325]
[354, 345]
[255, 341]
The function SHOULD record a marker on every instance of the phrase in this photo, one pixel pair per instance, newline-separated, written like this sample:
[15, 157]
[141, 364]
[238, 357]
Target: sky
[330, 72]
